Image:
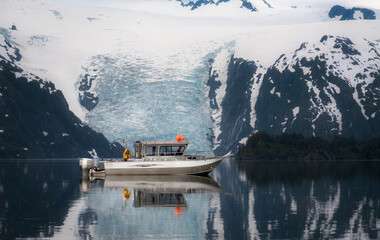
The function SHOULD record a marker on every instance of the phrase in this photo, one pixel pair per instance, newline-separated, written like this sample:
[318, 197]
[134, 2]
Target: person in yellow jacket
[127, 154]
[126, 194]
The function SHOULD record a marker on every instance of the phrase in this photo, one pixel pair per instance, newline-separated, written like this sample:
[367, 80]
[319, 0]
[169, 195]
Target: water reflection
[314, 200]
[241, 200]
[293, 172]
[150, 206]
[35, 196]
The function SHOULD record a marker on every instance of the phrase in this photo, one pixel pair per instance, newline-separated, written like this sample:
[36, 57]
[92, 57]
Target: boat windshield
[171, 150]
[164, 150]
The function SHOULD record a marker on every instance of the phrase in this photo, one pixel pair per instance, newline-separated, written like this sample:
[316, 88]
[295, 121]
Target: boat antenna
[125, 140]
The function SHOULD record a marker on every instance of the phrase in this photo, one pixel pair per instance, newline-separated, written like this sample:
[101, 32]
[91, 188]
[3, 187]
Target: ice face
[141, 99]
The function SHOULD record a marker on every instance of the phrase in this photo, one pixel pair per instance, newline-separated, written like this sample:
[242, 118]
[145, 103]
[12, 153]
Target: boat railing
[199, 154]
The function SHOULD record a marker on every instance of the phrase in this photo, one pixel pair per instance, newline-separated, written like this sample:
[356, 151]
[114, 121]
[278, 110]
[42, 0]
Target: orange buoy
[178, 210]
[179, 138]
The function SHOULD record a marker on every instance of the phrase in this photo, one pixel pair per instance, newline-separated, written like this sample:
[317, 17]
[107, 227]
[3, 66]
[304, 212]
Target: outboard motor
[85, 164]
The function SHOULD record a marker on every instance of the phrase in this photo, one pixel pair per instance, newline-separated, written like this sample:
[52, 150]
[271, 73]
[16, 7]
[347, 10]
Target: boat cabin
[160, 148]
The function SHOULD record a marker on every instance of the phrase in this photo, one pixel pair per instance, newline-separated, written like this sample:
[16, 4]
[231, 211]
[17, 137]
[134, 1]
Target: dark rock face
[270, 6]
[13, 54]
[346, 46]
[292, 110]
[36, 122]
[87, 99]
[348, 14]
[214, 85]
[235, 122]
[248, 5]
[312, 97]
[196, 4]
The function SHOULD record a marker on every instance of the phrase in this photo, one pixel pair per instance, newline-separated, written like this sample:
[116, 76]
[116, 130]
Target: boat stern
[85, 164]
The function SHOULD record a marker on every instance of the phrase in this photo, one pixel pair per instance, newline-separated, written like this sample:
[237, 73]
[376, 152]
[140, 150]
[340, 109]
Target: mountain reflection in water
[241, 200]
[314, 200]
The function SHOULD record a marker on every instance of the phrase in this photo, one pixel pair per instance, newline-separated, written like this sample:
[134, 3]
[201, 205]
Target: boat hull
[193, 167]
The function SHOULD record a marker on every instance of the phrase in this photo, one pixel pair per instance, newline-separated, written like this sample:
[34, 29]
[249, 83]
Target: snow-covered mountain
[151, 69]
[35, 120]
[323, 88]
[355, 13]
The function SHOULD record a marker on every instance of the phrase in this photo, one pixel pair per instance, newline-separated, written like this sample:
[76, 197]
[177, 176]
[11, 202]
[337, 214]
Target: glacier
[140, 99]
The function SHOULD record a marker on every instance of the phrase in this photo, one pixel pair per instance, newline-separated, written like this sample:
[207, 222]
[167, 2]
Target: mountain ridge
[317, 90]
[35, 118]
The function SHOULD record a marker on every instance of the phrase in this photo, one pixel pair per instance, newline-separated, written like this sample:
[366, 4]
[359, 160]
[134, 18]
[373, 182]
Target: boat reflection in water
[159, 199]
[156, 191]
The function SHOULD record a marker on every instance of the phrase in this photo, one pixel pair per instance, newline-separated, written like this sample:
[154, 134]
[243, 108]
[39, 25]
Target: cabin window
[151, 151]
[171, 150]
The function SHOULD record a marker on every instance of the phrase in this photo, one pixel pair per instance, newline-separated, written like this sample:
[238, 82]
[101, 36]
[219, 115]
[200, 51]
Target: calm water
[241, 200]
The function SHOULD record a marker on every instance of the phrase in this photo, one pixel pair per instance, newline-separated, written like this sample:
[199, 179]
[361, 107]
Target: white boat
[157, 158]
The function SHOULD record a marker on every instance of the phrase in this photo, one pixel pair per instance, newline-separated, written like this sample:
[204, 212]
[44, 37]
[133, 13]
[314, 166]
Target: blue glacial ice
[146, 99]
